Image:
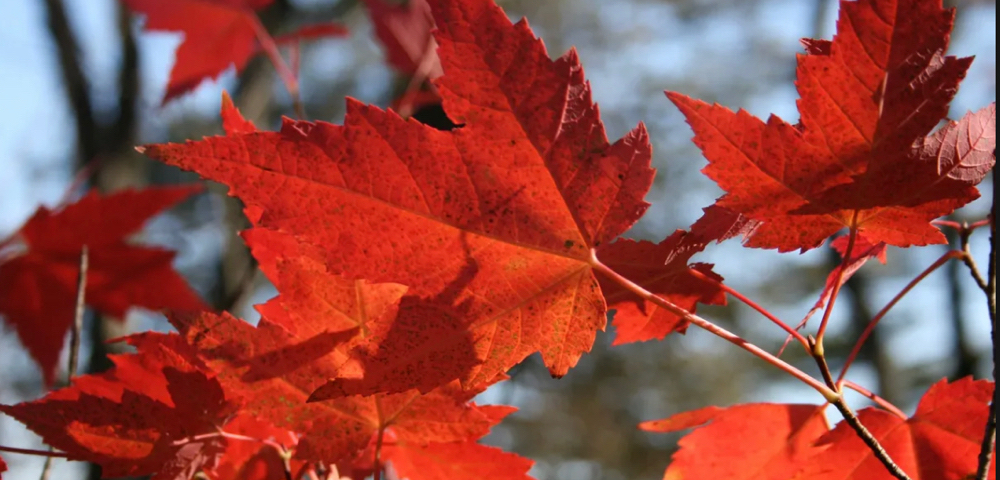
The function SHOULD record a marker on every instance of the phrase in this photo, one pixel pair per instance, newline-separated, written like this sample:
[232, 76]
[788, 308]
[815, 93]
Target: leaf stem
[81, 295]
[840, 280]
[376, 462]
[750, 303]
[869, 439]
[875, 398]
[990, 434]
[970, 262]
[829, 394]
[852, 419]
[28, 451]
[74, 344]
[288, 77]
[874, 321]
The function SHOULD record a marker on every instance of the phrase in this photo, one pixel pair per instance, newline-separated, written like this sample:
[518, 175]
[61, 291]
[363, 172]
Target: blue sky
[37, 131]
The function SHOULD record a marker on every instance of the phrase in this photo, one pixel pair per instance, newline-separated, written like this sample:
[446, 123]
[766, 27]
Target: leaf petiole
[733, 338]
[752, 304]
[874, 321]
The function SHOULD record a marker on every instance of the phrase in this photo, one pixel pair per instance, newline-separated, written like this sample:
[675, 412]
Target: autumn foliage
[415, 266]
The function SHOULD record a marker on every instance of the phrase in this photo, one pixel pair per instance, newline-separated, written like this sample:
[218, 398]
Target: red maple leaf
[489, 225]
[858, 158]
[940, 441]
[38, 281]
[772, 441]
[663, 269]
[761, 441]
[148, 415]
[303, 338]
[217, 33]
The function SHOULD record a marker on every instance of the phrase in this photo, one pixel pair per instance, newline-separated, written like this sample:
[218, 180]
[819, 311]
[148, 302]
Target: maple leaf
[259, 365]
[490, 226]
[859, 158]
[637, 319]
[217, 33]
[940, 441]
[302, 340]
[38, 283]
[117, 419]
[761, 441]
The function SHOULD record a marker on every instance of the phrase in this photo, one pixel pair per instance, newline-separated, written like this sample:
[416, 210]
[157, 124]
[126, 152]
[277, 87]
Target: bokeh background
[80, 80]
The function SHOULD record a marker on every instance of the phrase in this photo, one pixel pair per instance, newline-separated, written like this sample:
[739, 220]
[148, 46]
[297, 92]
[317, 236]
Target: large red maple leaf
[38, 282]
[858, 158]
[303, 339]
[490, 225]
[148, 415]
[217, 33]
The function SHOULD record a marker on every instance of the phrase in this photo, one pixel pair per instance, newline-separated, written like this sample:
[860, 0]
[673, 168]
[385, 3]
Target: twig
[875, 398]
[81, 294]
[829, 394]
[839, 282]
[990, 432]
[852, 419]
[874, 321]
[750, 303]
[288, 77]
[971, 262]
[29, 451]
[77, 327]
[377, 467]
[869, 439]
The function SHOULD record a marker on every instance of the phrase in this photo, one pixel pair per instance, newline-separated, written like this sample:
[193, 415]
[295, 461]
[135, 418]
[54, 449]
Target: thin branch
[971, 262]
[851, 419]
[288, 77]
[376, 464]
[874, 321]
[29, 451]
[750, 303]
[839, 282]
[875, 398]
[77, 327]
[869, 439]
[827, 393]
[81, 294]
[990, 432]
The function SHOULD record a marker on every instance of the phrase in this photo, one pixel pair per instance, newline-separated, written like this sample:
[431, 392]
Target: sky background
[37, 138]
